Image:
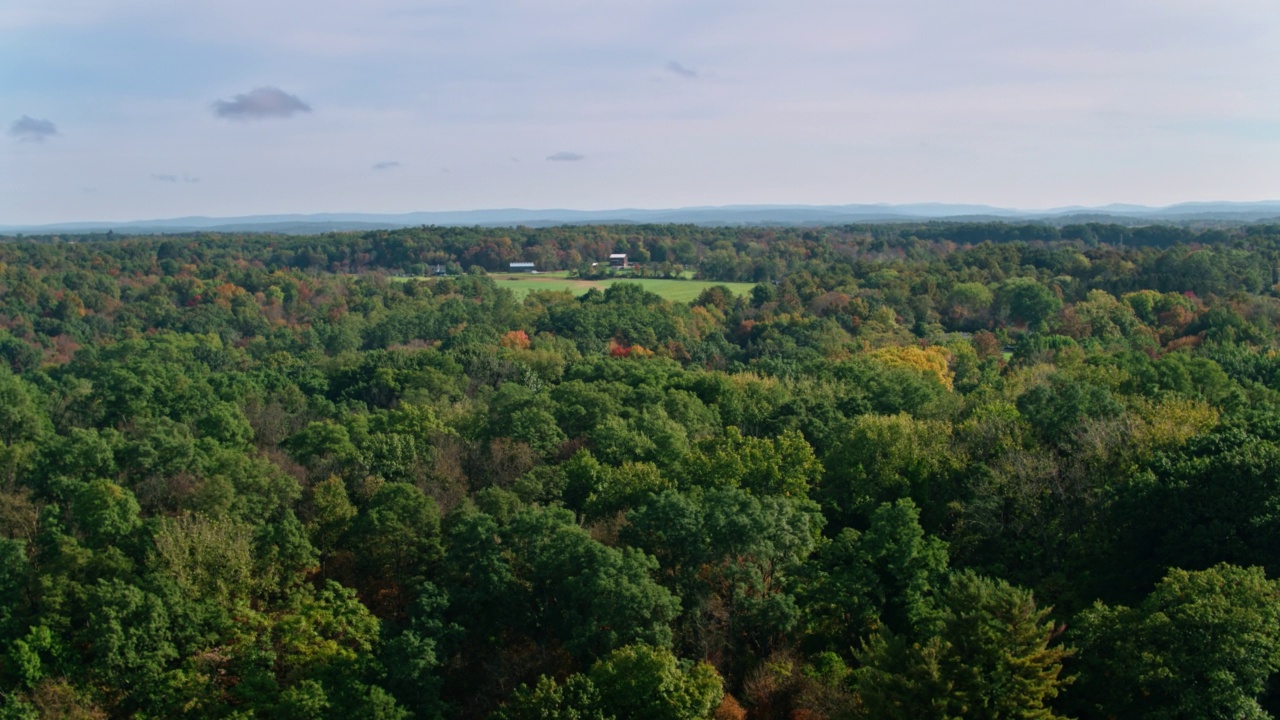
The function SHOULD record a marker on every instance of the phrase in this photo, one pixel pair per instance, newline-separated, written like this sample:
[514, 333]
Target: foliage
[988, 657]
[1202, 644]
[272, 476]
[636, 681]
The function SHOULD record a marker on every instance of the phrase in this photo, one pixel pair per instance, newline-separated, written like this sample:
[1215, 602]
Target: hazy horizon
[728, 215]
[142, 109]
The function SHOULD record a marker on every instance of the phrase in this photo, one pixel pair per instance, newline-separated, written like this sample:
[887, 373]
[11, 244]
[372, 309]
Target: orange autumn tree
[516, 340]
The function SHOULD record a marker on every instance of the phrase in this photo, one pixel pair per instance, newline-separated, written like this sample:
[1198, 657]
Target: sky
[138, 109]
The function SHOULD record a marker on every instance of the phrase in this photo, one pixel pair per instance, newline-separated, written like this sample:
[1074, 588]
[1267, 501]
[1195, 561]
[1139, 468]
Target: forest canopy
[938, 470]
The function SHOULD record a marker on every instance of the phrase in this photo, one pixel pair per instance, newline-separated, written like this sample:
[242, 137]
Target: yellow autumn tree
[1169, 423]
[934, 360]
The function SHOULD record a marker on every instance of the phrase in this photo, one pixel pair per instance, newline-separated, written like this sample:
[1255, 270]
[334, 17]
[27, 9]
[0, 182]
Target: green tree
[577, 698]
[969, 301]
[312, 656]
[1028, 300]
[592, 597]
[784, 465]
[1058, 407]
[886, 577]
[128, 642]
[395, 540]
[1201, 645]
[730, 556]
[20, 416]
[543, 577]
[105, 513]
[989, 657]
[414, 657]
[1211, 503]
[209, 559]
[882, 458]
[630, 683]
[14, 569]
[225, 423]
[330, 512]
[625, 487]
[323, 447]
[639, 681]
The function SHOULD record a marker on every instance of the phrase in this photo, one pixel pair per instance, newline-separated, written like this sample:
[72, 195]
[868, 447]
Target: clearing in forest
[674, 290]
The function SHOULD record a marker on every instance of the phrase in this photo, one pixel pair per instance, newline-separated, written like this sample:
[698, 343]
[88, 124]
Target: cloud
[260, 103]
[29, 129]
[171, 178]
[386, 165]
[566, 156]
[682, 71]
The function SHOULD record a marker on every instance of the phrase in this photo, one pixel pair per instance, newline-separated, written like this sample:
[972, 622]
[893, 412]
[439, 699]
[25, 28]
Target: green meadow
[670, 289]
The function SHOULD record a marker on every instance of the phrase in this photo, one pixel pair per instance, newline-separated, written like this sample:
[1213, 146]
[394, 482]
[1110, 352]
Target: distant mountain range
[731, 215]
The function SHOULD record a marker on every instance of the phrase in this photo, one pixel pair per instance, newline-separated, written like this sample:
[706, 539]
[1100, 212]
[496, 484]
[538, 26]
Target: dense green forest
[920, 471]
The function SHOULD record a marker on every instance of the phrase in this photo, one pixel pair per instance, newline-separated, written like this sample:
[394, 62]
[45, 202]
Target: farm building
[522, 267]
[618, 260]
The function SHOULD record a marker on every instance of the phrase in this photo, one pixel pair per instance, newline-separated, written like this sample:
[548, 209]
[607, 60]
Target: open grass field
[675, 290]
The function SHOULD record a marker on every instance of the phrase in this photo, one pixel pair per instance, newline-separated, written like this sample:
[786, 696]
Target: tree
[625, 487]
[887, 577]
[542, 577]
[105, 513]
[414, 656]
[1201, 645]
[14, 569]
[989, 657]
[730, 556]
[129, 642]
[311, 657]
[591, 597]
[639, 681]
[630, 683]
[330, 513]
[1028, 300]
[395, 541]
[882, 458]
[323, 446]
[283, 554]
[1208, 504]
[784, 465]
[225, 423]
[969, 301]
[209, 559]
[1059, 406]
[20, 417]
[577, 698]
